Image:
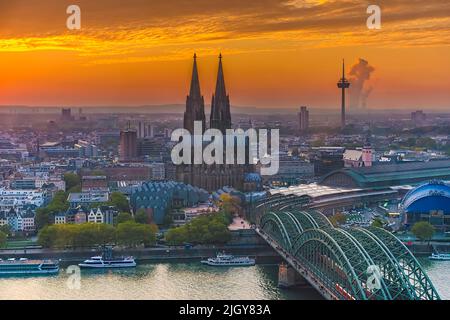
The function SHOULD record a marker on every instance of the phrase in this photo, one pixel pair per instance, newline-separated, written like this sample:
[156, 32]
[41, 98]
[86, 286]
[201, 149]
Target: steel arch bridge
[349, 264]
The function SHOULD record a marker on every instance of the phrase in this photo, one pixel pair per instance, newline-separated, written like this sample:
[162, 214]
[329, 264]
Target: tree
[377, 223]
[228, 203]
[120, 201]
[149, 234]
[423, 230]
[72, 180]
[76, 235]
[59, 202]
[43, 218]
[6, 229]
[141, 217]
[3, 238]
[426, 142]
[338, 219]
[124, 217]
[107, 234]
[132, 234]
[85, 235]
[168, 220]
[177, 235]
[206, 229]
[46, 215]
[47, 236]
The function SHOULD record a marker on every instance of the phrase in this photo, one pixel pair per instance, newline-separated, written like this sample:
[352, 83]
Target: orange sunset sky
[277, 53]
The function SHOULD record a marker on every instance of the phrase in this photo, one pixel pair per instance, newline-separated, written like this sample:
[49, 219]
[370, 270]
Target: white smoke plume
[359, 91]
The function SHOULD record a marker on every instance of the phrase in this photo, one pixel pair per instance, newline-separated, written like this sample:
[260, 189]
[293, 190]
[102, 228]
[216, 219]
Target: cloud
[114, 31]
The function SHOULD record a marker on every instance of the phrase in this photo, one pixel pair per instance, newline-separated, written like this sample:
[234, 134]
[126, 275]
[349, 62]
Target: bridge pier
[289, 277]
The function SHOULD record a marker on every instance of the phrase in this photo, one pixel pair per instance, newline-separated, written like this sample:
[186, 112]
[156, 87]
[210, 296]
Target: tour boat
[106, 261]
[24, 266]
[440, 256]
[99, 262]
[226, 260]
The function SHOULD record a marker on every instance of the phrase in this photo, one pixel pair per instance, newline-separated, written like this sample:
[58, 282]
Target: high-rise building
[66, 114]
[303, 119]
[418, 117]
[140, 128]
[343, 84]
[150, 148]
[292, 171]
[128, 145]
[81, 117]
[220, 105]
[195, 105]
[144, 129]
[150, 131]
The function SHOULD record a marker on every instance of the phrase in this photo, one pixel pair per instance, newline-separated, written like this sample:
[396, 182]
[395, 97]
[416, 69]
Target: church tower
[220, 105]
[195, 105]
[367, 152]
[215, 176]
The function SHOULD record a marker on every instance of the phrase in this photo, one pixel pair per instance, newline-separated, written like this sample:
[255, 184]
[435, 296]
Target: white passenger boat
[106, 261]
[24, 266]
[440, 256]
[99, 262]
[226, 260]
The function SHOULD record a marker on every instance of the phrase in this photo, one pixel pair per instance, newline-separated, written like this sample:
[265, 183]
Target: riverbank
[425, 249]
[243, 243]
[262, 253]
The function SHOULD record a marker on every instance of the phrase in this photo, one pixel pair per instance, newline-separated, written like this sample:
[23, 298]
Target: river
[177, 281]
[439, 274]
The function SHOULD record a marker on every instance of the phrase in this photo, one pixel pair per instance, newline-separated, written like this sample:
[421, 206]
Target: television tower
[343, 84]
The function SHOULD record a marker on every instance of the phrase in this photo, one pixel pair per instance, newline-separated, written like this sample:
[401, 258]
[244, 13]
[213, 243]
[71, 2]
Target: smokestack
[359, 92]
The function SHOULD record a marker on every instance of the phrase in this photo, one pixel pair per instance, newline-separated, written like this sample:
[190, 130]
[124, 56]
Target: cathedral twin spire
[195, 104]
[220, 105]
[220, 117]
[195, 83]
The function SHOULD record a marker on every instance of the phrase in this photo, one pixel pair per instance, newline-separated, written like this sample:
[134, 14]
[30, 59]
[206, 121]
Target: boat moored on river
[106, 261]
[440, 256]
[226, 260]
[26, 267]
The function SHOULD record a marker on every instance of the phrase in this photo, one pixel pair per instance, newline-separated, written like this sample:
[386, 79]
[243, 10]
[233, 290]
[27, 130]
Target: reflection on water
[439, 274]
[158, 281]
[180, 281]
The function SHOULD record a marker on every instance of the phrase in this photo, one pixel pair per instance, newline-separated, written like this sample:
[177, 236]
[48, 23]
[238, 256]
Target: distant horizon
[238, 109]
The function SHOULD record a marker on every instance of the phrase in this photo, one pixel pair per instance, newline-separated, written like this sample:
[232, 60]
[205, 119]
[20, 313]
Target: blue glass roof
[428, 197]
[252, 177]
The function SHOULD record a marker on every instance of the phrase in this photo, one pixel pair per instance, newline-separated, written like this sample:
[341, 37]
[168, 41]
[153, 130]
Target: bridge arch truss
[352, 263]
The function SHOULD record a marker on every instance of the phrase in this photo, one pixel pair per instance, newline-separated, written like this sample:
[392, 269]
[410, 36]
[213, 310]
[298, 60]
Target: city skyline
[301, 146]
[276, 53]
